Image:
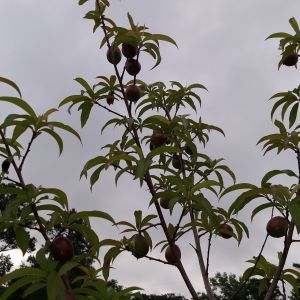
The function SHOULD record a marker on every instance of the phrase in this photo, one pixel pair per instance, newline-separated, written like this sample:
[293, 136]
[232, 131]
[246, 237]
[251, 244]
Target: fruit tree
[160, 144]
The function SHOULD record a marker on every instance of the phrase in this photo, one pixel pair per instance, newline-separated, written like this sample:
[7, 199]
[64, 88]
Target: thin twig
[178, 224]
[158, 260]
[150, 226]
[110, 110]
[208, 253]
[27, 150]
[283, 290]
[13, 181]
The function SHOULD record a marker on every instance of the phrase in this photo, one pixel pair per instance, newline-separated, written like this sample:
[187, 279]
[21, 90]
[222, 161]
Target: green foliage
[288, 43]
[266, 271]
[178, 168]
[226, 286]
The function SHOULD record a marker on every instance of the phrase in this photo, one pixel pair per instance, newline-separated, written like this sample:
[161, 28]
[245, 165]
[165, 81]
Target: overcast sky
[46, 44]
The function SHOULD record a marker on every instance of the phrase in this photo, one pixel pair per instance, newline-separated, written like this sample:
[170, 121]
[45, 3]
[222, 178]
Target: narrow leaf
[21, 103]
[12, 84]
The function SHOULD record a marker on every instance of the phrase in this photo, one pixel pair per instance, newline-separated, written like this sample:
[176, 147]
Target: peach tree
[161, 145]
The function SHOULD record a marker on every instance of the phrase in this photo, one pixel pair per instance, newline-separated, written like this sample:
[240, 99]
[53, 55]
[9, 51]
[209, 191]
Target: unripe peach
[224, 230]
[114, 55]
[140, 246]
[133, 93]
[158, 139]
[277, 227]
[132, 66]
[165, 202]
[129, 51]
[291, 59]
[173, 254]
[62, 249]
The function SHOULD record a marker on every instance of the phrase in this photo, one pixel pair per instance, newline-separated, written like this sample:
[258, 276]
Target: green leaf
[293, 114]
[57, 138]
[12, 84]
[75, 99]
[33, 288]
[18, 131]
[117, 121]
[290, 279]
[69, 265]
[228, 171]
[141, 169]
[153, 50]
[11, 190]
[16, 286]
[294, 25]
[279, 35]
[273, 173]
[204, 184]
[61, 196]
[22, 238]
[85, 112]
[54, 285]
[120, 173]
[110, 242]
[86, 86]
[245, 198]
[294, 209]
[130, 19]
[49, 207]
[260, 208]
[276, 105]
[109, 257]
[92, 213]
[95, 175]
[21, 103]
[280, 126]
[162, 37]
[147, 219]
[138, 218]
[162, 150]
[157, 119]
[125, 223]
[20, 273]
[205, 206]
[87, 232]
[48, 113]
[196, 85]
[238, 186]
[92, 163]
[65, 127]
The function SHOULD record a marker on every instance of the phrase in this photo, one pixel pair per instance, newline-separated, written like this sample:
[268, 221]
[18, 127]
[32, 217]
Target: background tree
[81, 246]
[295, 295]
[227, 286]
[8, 237]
